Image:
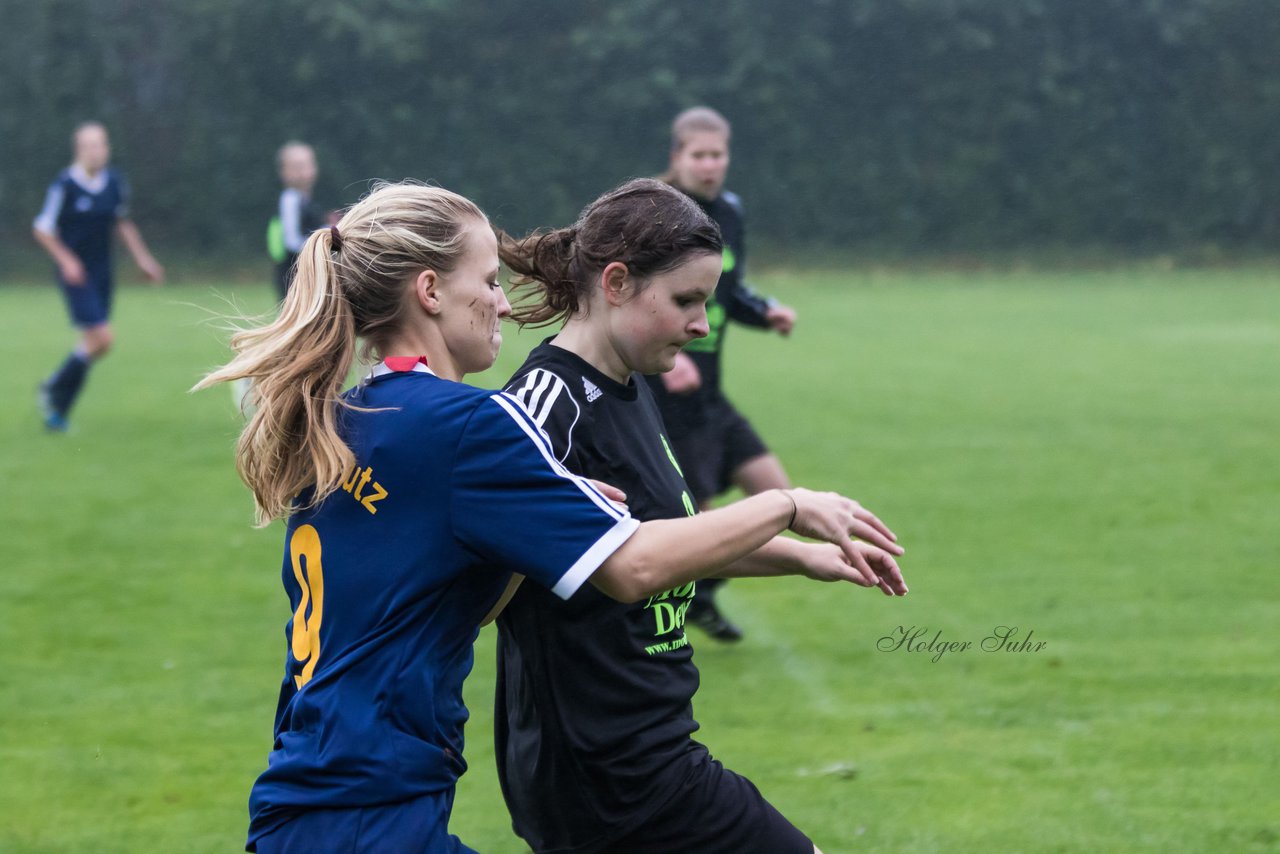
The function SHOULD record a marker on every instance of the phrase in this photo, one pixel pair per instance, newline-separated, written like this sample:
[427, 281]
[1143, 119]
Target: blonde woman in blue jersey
[409, 501]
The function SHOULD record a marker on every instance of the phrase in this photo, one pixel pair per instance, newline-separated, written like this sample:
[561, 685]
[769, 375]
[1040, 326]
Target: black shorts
[715, 811]
[711, 445]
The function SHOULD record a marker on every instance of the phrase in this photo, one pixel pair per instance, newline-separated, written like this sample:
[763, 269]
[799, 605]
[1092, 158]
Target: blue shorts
[420, 825]
[89, 304]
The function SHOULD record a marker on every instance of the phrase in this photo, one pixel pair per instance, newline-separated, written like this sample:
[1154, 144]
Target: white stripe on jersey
[531, 393]
[526, 393]
[518, 413]
[538, 394]
[555, 386]
[47, 220]
[599, 552]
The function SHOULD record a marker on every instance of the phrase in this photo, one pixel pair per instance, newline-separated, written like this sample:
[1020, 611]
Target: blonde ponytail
[296, 366]
[340, 293]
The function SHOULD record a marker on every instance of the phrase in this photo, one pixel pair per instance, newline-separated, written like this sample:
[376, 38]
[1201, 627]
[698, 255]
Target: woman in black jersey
[594, 714]
[717, 445]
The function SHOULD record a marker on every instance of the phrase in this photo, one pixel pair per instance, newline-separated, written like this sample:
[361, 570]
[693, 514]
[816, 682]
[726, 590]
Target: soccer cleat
[707, 617]
[54, 421]
[44, 400]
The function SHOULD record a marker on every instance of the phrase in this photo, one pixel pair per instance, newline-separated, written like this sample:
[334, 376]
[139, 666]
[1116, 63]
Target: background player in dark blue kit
[717, 446]
[594, 709]
[409, 501]
[85, 203]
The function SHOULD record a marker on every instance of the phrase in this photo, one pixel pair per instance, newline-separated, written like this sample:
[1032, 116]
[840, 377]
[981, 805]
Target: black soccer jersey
[593, 695]
[733, 299]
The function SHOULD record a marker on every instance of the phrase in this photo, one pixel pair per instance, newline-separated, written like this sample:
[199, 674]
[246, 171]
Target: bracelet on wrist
[794, 508]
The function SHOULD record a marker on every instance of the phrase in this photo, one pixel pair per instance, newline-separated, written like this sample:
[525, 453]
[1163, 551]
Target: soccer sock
[705, 600]
[709, 585]
[65, 383]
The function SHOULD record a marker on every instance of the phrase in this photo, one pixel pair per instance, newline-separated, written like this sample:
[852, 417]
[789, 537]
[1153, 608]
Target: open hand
[152, 270]
[781, 319]
[611, 492]
[873, 568]
[684, 377]
[72, 271]
[833, 517]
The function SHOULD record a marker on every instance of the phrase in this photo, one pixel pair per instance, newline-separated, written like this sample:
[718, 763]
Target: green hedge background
[938, 124]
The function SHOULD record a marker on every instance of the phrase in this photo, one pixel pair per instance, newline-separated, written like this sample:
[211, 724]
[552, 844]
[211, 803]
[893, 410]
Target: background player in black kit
[716, 445]
[594, 697]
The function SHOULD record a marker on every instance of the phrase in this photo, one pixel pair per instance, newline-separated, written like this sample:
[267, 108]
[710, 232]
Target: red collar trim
[400, 364]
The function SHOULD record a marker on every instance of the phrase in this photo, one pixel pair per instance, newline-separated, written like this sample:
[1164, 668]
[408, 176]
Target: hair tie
[335, 239]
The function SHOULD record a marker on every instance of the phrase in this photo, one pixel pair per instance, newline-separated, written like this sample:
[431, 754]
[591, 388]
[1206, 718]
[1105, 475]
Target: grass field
[1092, 457]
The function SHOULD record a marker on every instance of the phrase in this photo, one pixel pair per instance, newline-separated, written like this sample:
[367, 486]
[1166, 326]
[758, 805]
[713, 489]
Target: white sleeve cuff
[590, 561]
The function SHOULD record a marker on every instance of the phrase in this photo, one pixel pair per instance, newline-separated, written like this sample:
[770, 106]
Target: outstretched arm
[670, 552]
[138, 249]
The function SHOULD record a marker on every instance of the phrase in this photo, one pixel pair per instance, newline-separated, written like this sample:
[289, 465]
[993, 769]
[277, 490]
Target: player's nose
[699, 327]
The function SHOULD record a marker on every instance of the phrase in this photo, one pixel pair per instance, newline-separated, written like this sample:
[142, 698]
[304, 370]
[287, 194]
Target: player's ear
[615, 280]
[426, 287]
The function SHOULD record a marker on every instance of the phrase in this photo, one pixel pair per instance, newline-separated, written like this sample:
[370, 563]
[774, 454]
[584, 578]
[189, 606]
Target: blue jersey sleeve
[513, 503]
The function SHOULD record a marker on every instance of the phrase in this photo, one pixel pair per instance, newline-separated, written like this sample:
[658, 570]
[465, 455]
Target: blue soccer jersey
[81, 211]
[454, 488]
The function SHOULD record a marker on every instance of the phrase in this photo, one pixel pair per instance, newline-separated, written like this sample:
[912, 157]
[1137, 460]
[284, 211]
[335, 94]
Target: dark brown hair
[645, 224]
